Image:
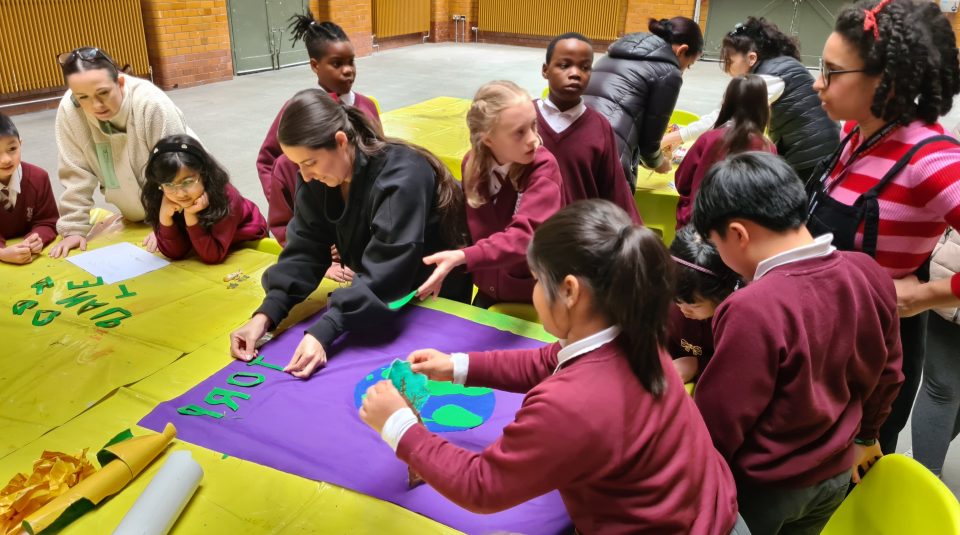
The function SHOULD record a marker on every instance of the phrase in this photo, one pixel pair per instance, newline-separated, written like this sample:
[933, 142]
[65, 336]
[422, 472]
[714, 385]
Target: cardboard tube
[156, 510]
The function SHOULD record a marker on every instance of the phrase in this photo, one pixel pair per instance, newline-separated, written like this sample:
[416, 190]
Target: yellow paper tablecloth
[438, 125]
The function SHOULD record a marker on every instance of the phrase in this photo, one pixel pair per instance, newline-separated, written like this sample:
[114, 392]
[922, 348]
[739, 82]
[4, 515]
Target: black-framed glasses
[87, 53]
[826, 72]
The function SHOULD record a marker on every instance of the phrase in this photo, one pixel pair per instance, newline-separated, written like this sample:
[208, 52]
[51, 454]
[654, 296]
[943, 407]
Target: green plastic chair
[683, 118]
[897, 496]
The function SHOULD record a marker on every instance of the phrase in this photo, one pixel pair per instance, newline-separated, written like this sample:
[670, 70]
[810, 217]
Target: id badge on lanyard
[107, 172]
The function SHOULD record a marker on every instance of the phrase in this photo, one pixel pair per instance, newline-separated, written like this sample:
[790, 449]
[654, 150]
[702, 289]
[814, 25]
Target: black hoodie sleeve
[305, 258]
[401, 201]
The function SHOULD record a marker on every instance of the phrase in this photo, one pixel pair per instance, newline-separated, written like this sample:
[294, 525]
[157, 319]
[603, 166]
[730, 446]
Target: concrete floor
[232, 117]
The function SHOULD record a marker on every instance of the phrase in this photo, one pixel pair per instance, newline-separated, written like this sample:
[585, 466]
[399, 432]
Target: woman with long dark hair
[384, 203]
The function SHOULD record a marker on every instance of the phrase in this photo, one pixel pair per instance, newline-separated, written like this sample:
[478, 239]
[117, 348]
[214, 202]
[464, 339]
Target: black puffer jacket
[803, 133]
[635, 86]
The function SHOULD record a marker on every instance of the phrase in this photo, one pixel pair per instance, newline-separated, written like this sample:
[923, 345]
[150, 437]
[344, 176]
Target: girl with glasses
[191, 204]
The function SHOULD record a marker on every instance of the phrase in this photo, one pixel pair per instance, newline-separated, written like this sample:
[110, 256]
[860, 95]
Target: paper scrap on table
[156, 510]
[118, 262]
[53, 474]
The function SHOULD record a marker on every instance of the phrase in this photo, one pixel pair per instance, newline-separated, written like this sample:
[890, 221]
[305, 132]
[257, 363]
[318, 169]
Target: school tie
[5, 199]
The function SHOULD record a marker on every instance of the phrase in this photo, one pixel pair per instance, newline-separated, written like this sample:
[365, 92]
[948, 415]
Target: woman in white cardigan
[107, 124]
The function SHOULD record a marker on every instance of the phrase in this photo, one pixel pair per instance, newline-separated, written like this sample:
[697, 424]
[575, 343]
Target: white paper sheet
[157, 509]
[117, 262]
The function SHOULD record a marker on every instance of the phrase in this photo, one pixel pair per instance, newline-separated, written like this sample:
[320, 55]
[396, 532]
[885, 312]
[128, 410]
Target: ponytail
[312, 119]
[626, 268]
[679, 31]
[314, 34]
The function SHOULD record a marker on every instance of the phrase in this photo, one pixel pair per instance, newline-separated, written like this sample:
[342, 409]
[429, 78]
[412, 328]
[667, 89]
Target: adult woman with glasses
[802, 132]
[107, 124]
[890, 69]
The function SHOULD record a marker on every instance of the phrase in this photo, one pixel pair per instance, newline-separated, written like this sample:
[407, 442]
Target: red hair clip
[870, 19]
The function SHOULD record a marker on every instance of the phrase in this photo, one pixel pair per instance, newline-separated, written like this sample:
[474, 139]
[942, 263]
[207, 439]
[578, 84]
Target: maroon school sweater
[807, 358]
[589, 161]
[702, 155]
[278, 173]
[623, 460]
[502, 229]
[689, 338]
[35, 211]
[243, 223]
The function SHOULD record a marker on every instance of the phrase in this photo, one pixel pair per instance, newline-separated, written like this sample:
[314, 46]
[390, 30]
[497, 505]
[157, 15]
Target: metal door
[279, 13]
[811, 21]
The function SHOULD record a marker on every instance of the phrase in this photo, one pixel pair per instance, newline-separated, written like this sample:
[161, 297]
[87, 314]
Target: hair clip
[691, 265]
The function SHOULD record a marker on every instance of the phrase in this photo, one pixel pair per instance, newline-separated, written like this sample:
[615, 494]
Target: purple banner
[311, 428]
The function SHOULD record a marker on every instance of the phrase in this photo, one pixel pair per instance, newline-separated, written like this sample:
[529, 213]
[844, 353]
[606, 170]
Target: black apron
[827, 214]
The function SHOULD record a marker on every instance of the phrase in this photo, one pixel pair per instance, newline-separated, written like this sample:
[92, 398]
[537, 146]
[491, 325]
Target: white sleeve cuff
[396, 425]
[461, 362]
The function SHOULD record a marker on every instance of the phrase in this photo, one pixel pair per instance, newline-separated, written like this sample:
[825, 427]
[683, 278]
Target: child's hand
[864, 458]
[666, 165]
[243, 341]
[435, 365]
[16, 254]
[202, 202]
[445, 262]
[339, 273]
[150, 243]
[167, 209]
[381, 401]
[308, 358]
[34, 242]
[671, 141]
[63, 247]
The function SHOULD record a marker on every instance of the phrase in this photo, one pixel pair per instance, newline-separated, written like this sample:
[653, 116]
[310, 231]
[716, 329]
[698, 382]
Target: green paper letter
[39, 320]
[76, 299]
[196, 410]
[257, 379]
[41, 285]
[85, 284]
[258, 361]
[112, 322]
[222, 396]
[20, 306]
[124, 292]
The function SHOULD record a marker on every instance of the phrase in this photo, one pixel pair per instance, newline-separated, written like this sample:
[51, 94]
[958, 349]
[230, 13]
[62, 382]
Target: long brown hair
[627, 269]
[745, 105]
[312, 119]
[484, 115]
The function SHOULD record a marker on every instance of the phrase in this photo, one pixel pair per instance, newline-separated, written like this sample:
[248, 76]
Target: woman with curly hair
[801, 131]
[890, 69]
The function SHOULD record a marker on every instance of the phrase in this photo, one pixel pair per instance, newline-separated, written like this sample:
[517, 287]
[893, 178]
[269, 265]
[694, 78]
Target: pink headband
[691, 265]
[870, 19]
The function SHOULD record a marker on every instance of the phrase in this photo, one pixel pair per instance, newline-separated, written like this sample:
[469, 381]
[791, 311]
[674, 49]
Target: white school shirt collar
[821, 246]
[560, 120]
[585, 345]
[13, 188]
[348, 98]
[497, 175]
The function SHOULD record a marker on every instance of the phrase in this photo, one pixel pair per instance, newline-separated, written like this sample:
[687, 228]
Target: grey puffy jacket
[635, 86]
[803, 133]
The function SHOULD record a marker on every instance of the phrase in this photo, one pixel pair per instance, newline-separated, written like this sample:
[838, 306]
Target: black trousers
[913, 337]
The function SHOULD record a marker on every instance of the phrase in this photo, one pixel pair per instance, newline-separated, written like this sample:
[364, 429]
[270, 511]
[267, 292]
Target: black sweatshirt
[389, 223]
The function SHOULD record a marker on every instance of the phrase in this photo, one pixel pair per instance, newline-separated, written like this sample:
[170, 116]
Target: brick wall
[355, 17]
[639, 12]
[188, 41]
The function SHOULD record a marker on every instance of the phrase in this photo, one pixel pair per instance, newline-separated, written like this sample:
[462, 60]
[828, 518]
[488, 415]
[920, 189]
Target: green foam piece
[399, 303]
[412, 385]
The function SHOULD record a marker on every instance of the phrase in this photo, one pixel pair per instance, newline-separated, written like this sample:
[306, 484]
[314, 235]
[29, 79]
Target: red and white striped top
[917, 206]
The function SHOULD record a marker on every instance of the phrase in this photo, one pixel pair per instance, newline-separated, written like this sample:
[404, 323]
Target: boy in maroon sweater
[580, 138]
[807, 356]
[27, 206]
